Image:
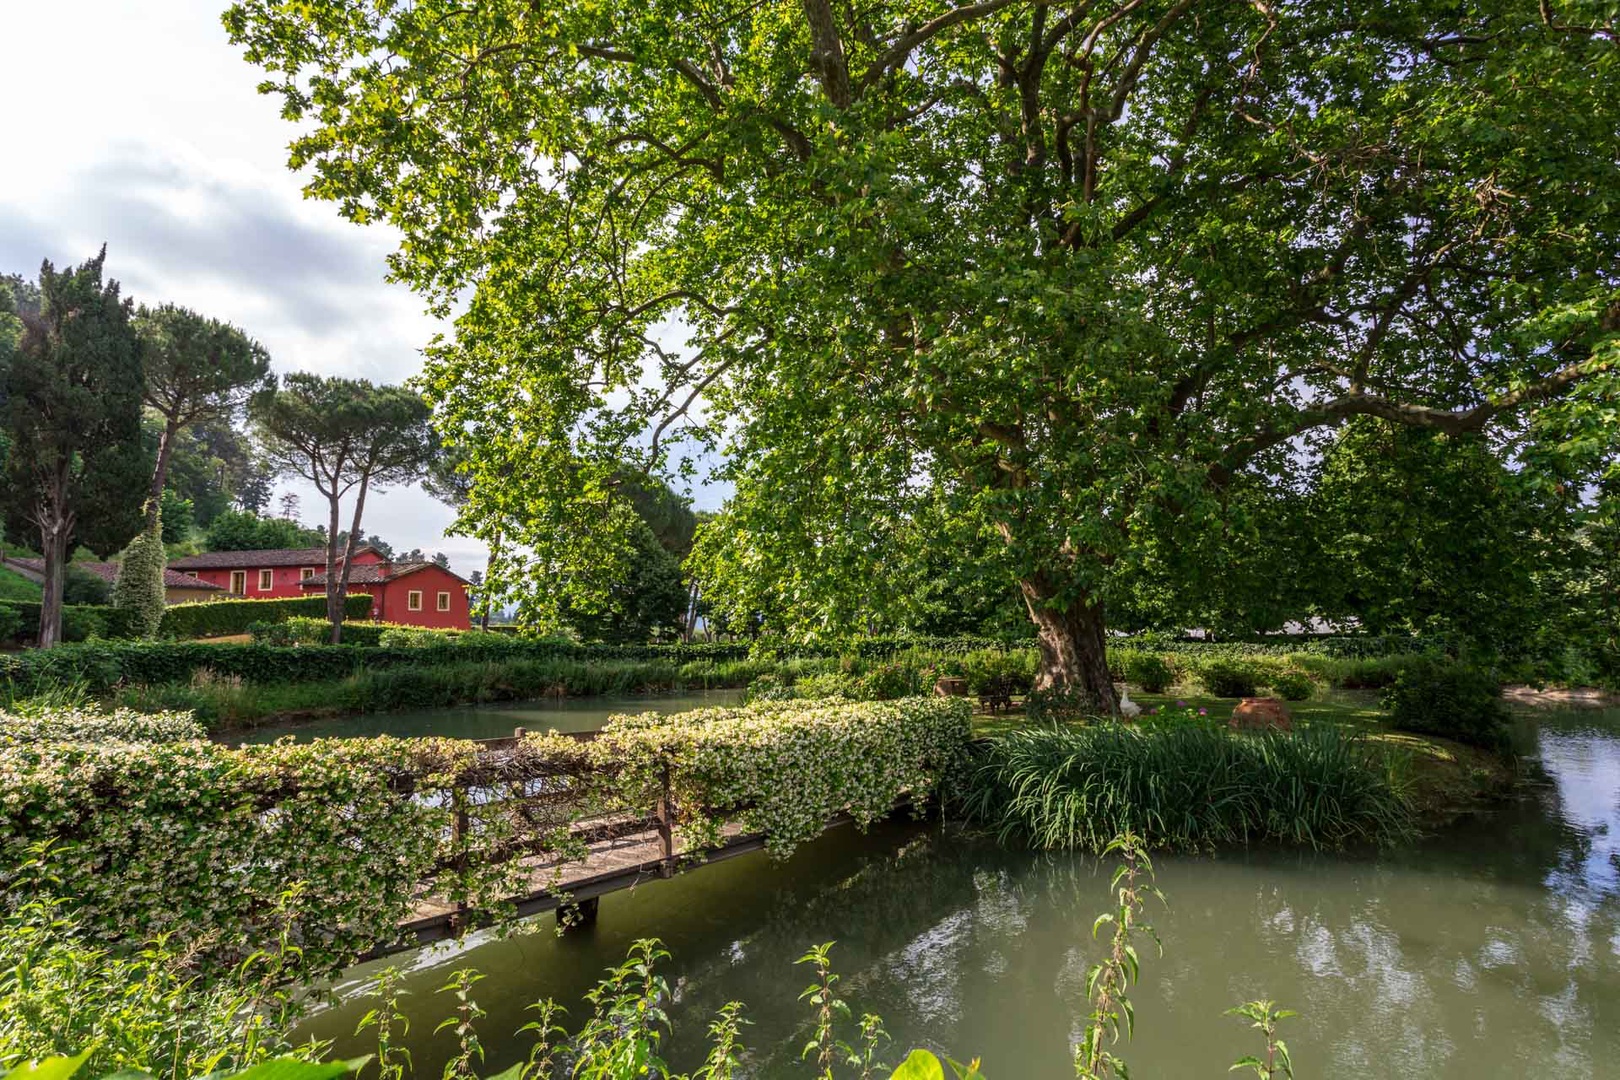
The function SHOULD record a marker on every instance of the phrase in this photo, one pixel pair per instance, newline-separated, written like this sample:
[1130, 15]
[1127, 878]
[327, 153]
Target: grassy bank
[224, 703]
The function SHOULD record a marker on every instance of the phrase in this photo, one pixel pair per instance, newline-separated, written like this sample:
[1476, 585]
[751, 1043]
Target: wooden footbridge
[621, 850]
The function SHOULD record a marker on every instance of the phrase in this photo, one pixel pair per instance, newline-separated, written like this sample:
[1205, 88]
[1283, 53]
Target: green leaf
[919, 1065]
[58, 1067]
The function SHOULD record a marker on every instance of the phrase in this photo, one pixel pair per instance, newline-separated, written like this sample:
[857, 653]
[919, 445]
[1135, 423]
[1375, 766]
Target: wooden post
[664, 814]
[580, 915]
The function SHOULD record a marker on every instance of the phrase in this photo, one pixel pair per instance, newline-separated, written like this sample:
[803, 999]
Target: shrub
[25, 725]
[218, 618]
[1147, 670]
[1190, 786]
[138, 591]
[1364, 673]
[1293, 685]
[81, 588]
[1435, 696]
[888, 682]
[1228, 677]
[137, 1013]
[11, 622]
[160, 831]
[79, 623]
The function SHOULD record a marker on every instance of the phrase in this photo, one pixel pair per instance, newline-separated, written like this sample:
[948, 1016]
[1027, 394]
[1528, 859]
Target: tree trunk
[53, 539]
[160, 472]
[335, 611]
[1073, 646]
[334, 589]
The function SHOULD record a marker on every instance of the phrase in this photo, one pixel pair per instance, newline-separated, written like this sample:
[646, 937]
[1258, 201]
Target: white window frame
[267, 580]
[413, 600]
[444, 600]
[306, 573]
[239, 575]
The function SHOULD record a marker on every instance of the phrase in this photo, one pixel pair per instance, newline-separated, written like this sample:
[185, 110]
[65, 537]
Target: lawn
[14, 586]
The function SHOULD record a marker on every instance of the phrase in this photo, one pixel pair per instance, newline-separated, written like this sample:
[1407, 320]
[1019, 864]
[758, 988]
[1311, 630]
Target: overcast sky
[138, 124]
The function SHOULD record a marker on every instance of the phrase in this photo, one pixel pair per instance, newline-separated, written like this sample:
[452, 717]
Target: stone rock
[951, 686]
[1260, 714]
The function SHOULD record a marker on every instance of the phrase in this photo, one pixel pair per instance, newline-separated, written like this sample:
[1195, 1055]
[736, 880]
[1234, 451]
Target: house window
[444, 601]
[238, 582]
[193, 574]
[267, 578]
[413, 600]
[306, 573]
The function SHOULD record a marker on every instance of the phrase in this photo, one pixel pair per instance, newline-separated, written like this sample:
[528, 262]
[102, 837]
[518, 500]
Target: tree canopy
[75, 469]
[343, 435]
[1067, 271]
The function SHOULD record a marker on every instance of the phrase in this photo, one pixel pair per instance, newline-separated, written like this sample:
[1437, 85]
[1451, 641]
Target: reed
[1190, 787]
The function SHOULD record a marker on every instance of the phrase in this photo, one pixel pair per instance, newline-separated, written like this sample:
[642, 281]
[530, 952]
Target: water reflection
[1492, 951]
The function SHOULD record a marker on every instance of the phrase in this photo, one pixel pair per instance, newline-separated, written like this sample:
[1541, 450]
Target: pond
[492, 721]
[1492, 950]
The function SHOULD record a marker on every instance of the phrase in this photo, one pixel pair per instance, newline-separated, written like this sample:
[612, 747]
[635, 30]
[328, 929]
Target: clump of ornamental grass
[1185, 787]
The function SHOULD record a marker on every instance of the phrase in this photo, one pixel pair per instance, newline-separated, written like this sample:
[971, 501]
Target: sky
[138, 125]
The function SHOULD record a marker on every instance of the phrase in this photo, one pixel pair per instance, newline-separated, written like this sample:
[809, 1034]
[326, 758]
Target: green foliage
[1228, 677]
[79, 623]
[1145, 669]
[1185, 787]
[1458, 701]
[38, 723]
[82, 588]
[240, 530]
[138, 591]
[1108, 981]
[343, 435]
[903, 286]
[141, 1011]
[75, 470]
[1292, 685]
[159, 828]
[11, 622]
[1264, 1017]
[219, 618]
[14, 586]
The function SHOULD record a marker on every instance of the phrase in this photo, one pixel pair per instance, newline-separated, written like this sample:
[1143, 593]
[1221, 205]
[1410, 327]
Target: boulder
[1261, 714]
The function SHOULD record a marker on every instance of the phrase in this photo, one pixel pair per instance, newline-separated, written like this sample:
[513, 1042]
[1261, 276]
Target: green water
[1492, 950]
[493, 721]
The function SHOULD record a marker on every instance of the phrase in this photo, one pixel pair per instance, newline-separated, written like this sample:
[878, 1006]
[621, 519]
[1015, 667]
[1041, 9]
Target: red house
[416, 594]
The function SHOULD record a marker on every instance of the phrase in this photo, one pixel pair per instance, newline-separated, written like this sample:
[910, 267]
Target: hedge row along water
[218, 618]
[200, 840]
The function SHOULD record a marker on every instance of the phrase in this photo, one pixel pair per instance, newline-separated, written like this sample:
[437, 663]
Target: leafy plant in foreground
[1109, 981]
[1265, 1016]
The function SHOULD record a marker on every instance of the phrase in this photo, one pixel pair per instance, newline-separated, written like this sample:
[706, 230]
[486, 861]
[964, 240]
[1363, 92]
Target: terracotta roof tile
[253, 560]
[108, 572]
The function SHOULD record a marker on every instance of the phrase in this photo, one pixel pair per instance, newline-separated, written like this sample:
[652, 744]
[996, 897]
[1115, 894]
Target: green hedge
[100, 666]
[80, 622]
[218, 618]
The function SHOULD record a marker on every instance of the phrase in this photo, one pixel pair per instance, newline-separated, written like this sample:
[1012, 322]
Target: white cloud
[139, 125]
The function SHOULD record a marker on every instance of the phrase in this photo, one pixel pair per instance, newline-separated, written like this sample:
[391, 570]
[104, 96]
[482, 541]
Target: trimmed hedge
[200, 840]
[219, 618]
[102, 666]
[80, 622]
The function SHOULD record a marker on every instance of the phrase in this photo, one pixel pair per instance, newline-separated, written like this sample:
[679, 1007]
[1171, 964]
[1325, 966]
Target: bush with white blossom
[198, 839]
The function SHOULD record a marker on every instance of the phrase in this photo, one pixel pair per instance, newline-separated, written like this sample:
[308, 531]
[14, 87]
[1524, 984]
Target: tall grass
[1197, 787]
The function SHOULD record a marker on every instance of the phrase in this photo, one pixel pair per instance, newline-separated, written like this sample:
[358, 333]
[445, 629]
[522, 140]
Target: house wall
[430, 581]
[284, 581]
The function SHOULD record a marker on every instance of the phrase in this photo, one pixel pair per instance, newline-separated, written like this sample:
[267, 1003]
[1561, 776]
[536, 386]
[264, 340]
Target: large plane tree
[1066, 269]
